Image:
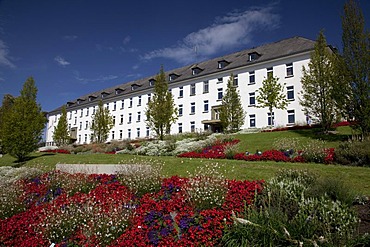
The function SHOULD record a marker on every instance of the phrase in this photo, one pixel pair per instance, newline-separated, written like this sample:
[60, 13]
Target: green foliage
[61, 133]
[161, 112]
[271, 95]
[5, 108]
[102, 123]
[314, 151]
[231, 112]
[356, 46]
[353, 153]
[24, 124]
[318, 85]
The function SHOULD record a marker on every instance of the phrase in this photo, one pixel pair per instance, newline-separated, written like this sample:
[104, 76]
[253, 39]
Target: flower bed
[100, 211]
[59, 151]
[216, 151]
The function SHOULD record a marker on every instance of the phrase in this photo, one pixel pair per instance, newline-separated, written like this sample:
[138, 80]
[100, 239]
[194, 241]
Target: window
[139, 103]
[192, 108]
[137, 132]
[149, 97]
[93, 110]
[235, 82]
[216, 114]
[82, 112]
[121, 119]
[114, 120]
[151, 82]
[291, 117]
[114, 105]
[130, 102]
[252, 98]
[129, 133]
[219, 80]
[138, 116]
[270, 72]
[222, 64]
[192, 126]
[180, 127]
[289, 69]
[79, 138]
[290, 92]
[87, 112]
[252, 78]
[107, 106]
[70, 115]
[252, 120]
[85, 138]
[129, 117]
[86, 125]
[205, 87]
[196, 71]
[75, 121]
[180, 110]
[219, 94]
[120, 135]
[181, 92]
[80, 128]
[270, 121]
[205, 106]
[147, 132]
[253, 56]
[123, 104]
[113, 135]
[192, 89]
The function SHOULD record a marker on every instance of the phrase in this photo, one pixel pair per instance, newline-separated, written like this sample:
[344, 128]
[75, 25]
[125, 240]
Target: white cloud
[135, 67]
[126, 40]
[61, 61]
[229, 31]
[70, 37]
[4, 56]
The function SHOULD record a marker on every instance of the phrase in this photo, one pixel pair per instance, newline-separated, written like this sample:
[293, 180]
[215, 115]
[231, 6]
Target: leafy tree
[61, 133]
[356, 47]
[24, 124]
[318, 85]
[231, 112]
[161, 112]
[271, 95]
[102, 123]
[7, 104]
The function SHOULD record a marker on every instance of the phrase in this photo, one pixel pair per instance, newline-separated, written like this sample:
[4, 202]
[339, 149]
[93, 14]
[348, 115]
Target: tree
[5, 109]
[24, 124]
[356, 47]
[231, 112]
[271, 95]
[161, 112]
[318, 85]
[61, 133]
[102, 123]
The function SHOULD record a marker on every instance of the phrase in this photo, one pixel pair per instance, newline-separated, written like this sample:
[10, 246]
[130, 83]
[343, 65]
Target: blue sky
[75, 47]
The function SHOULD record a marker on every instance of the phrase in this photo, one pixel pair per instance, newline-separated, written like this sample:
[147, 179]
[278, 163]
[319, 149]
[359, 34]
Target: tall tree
[102, 123]
[271, 95]
[61, 133]
[356, 53]
[318, 85]
[5, 109]
[24, 125]
[161, 112]
[231, 112]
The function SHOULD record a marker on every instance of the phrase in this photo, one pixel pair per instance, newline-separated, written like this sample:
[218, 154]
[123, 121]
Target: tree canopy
[102, 123]
[61, 133]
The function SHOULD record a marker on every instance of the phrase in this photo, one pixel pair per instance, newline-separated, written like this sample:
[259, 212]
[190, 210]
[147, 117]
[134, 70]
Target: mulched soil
[363, 212]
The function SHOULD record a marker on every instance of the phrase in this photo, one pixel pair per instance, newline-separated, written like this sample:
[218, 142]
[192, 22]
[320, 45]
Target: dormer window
[69, 103]
[118, 91]
[253, 56]
[134, 87]
[151, 82]
[79, 101]
[104, 94]
[222, 64]
[196, 70]
[172, 76]
[91, 98]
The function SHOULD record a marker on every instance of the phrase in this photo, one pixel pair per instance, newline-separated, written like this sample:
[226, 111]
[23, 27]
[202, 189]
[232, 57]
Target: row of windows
[120, 135]
[271, 121]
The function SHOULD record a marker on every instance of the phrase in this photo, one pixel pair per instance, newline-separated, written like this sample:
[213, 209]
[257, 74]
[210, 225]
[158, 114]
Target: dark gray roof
[283, 48]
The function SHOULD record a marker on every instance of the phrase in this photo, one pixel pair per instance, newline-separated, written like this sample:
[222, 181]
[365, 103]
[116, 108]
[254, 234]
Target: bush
[314, 151]
[353, 153]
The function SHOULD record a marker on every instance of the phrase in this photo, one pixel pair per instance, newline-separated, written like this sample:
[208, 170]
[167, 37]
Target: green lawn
[357, 178]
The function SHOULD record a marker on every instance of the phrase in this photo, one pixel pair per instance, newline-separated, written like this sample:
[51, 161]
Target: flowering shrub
[215, 151]
[59, 151]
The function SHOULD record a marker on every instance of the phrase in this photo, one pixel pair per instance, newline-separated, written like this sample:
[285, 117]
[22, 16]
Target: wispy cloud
[61, 61]
[101, 78]
[126, 40]
[5, 60]
[229, 31]
[70, 37]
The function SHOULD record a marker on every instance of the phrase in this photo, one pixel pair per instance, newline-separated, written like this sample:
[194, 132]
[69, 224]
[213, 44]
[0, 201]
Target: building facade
[197, 90]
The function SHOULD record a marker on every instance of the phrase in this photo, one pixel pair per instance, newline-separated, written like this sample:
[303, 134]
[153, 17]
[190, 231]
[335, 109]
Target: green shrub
[314, 151]
[353, 153]
[230, 150]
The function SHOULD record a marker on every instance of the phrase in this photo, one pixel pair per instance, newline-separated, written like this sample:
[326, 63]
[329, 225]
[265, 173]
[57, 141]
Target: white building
[197, 90]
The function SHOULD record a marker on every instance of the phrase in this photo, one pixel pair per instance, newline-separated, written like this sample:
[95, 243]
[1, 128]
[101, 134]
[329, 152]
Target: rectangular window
[114, 105]
[270, 121]
[289, 69]
[82, 112]
[235, 82]
[252, 78]
[216, 114]
[75, 121]
[205, 87]
[93, 110]
[113, 135]
[114, 120]
[252, 120]
[192, 108]
[181, 92]
[121, 119]
[138, 116]
[130, 102]
[252, 98]
[290, 92]
[192, 89]
[85, 138]
[87, 112]
[180, 110]
[180, 127]
[137, 132]
[192, 126]
[86, 125]
[219, 80]
[129, 117]
[149, 97]
[79, 138]
[123, 104]
[270, 72]
[219, 94]
[205, 106]
[139, 101]
[80, 128]
[107, 106]
[129, 133]
[70, 115]
[120, 135]
[147, 131]
[291, 117]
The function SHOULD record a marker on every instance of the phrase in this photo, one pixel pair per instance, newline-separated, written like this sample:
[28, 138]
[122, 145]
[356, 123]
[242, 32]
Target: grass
[356, 178]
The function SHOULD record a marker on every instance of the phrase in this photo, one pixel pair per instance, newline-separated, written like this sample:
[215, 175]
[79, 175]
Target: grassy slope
[357, 178]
